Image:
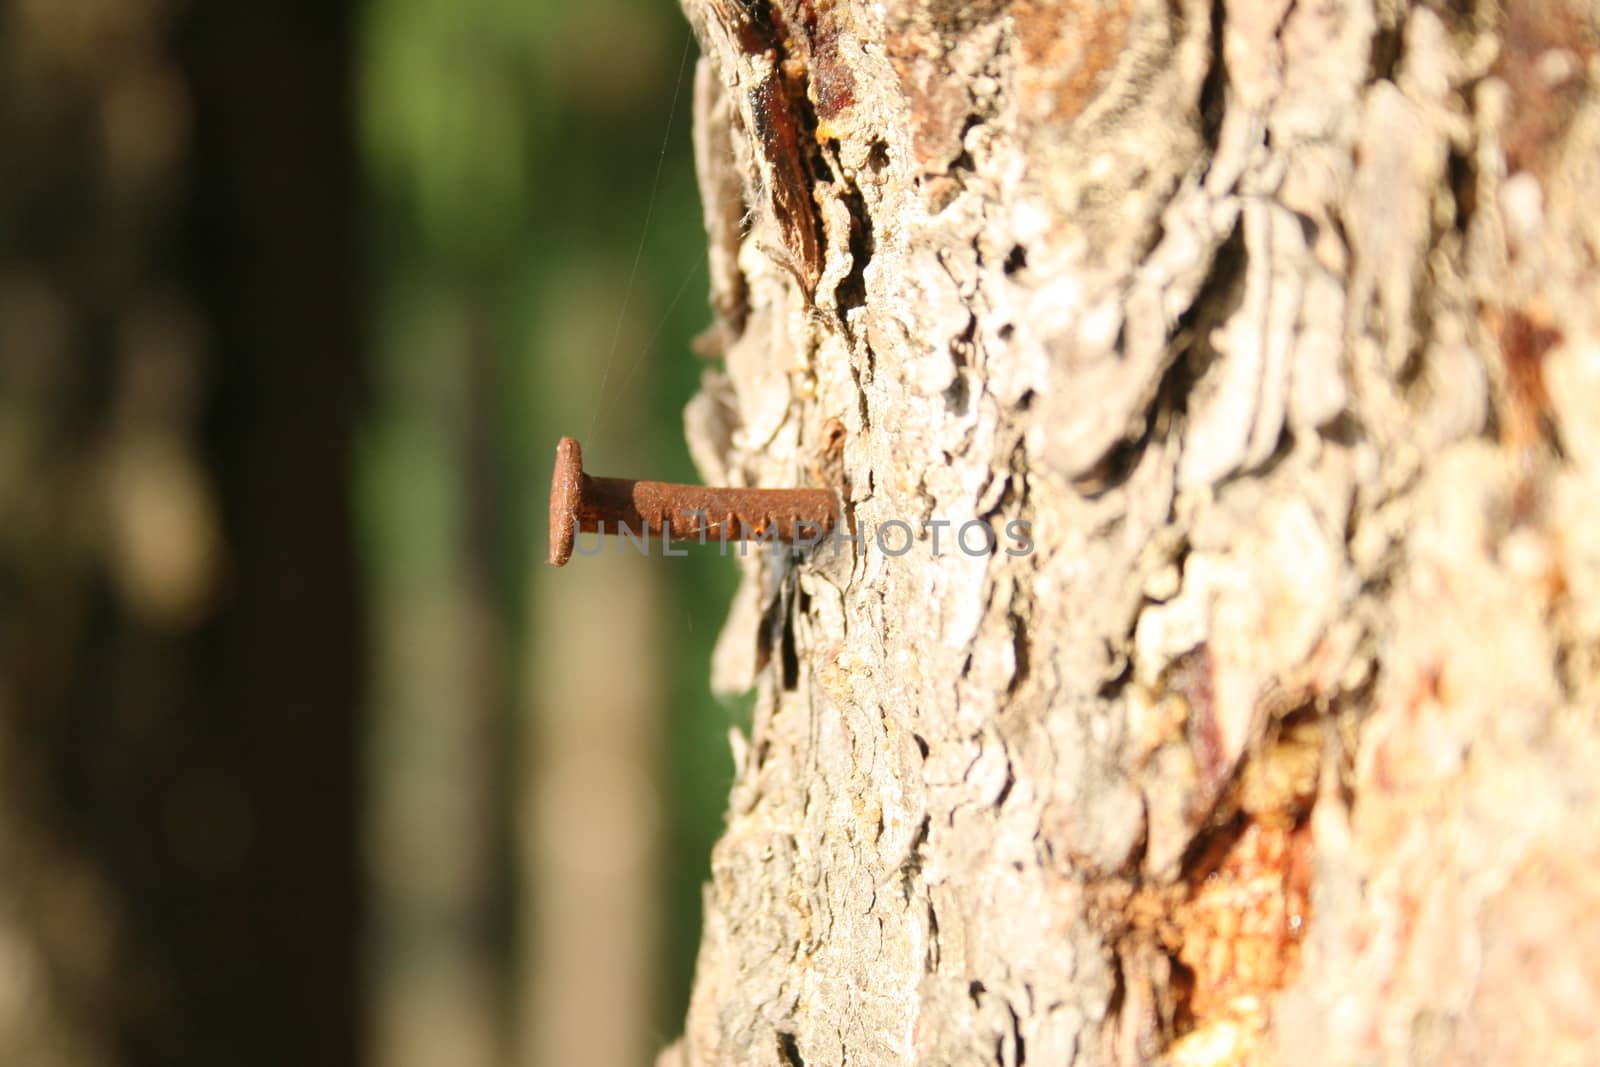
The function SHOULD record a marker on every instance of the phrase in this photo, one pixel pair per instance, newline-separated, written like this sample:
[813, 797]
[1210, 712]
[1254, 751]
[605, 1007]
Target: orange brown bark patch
[1547, 48]
[1240, 933]
[1524, 343]
[938, 105]
[832, 87]
[1066, 49]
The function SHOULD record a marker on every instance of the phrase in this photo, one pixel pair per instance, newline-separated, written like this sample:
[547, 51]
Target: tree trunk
[1279, 324]
[180, 633]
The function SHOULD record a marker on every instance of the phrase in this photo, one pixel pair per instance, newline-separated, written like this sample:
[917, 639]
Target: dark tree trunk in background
[180, 638]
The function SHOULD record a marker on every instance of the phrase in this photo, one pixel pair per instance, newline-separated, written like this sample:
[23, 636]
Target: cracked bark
[1280, 324]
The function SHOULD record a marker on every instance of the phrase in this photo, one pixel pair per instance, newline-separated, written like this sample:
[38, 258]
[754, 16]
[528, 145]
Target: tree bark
[1279, 323]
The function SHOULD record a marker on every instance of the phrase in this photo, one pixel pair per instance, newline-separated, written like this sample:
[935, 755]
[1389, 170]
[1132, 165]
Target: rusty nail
[581, 502]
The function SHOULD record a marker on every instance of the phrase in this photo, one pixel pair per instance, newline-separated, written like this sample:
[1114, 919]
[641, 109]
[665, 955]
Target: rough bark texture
[1280, 323]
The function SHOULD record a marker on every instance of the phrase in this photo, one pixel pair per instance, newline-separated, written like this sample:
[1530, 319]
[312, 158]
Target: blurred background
[306, 756]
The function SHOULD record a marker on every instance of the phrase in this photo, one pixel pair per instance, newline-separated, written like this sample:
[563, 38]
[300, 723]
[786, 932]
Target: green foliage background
[513, 150]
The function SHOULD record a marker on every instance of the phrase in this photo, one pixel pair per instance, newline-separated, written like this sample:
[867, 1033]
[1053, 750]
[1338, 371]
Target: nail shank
[583, 502]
